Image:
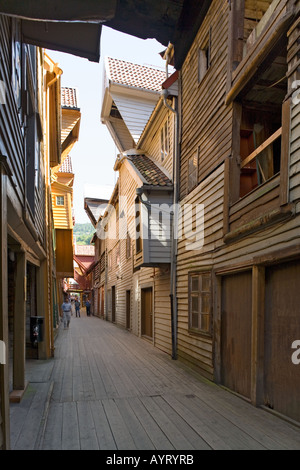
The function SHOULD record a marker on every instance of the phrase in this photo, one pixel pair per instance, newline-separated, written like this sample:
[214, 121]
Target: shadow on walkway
[107, 389]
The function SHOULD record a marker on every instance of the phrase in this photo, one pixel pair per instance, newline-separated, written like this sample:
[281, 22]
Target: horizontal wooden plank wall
[206, 123]
[12, 145]
[207, 127]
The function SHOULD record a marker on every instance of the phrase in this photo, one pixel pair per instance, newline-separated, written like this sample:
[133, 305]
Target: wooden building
[134, 234]
[62, 179]
[235, 314]
[30, 144]
[238, 281]
[84, 258]
[27, 145]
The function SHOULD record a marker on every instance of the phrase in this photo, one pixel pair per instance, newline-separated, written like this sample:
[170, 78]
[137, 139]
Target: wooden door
[282, 328]
[128, 309]
[236, 322]
[147, 312]
[113, 304]
[102, 301]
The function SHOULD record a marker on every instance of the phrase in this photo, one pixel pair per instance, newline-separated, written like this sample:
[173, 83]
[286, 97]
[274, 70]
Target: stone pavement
[106, 389]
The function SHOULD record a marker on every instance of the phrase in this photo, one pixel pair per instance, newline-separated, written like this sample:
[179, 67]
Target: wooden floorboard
[106, 389]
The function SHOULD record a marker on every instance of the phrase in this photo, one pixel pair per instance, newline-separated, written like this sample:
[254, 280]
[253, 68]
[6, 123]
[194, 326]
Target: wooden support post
[217, 326]
[235, 38]
[232, 167]
[285, 152]
[258, 308]
[4, 374]
[44, 310]
[19, 339]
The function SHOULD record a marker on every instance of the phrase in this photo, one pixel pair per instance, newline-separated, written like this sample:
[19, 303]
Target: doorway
[147, 312]
[128, 309]
[236, 324]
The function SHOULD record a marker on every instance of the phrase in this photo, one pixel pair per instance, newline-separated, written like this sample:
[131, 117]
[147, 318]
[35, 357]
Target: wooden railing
[261, 148]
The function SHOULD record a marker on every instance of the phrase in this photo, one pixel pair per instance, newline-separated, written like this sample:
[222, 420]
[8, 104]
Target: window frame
[199, 294]
[128, 246]
[59, 197]
[204, 57]
[138, 226]
[164, 141]
[192, 184]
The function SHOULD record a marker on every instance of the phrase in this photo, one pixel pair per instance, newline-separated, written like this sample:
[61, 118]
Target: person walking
[66, 311]
[88, 307]
[77, 307]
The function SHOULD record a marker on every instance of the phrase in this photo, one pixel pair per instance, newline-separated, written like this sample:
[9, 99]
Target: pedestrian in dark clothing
[88, 307]
[77, 307]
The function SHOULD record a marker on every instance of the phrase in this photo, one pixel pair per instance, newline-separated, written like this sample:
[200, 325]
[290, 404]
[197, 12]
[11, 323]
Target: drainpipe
[174, 231]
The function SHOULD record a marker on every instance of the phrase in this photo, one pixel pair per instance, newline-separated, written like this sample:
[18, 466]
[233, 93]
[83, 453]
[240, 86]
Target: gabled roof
[146, 171]
[134, 75]
[131, 92]
[150, 172]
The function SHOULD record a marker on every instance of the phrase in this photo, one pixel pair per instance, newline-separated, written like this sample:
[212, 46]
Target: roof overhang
[89, 207]
[80, 39]
[175, 21]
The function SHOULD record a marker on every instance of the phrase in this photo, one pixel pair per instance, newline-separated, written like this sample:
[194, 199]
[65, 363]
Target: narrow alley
[107, 389]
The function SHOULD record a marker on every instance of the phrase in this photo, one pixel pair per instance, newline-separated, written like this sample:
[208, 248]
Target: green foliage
[83, 233]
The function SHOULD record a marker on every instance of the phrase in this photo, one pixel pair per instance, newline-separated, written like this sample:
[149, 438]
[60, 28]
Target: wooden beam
[285, 153]
[69, 10]
[4, 372]
[257, 343]
[261, 148]
[19, 341]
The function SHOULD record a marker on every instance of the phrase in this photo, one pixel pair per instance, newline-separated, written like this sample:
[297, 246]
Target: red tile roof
[69, 98]
[66, 166]
[150, 171]
[135, 75]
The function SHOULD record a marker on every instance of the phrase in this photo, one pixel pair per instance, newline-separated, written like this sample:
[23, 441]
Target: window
[204, 58]
[138, 234]
[164, 142]
[118, 255]
[261, 124]
[109, 260]
[128, 246]
[200, 302]
[16, 61]
[193, 171]
[60, 200]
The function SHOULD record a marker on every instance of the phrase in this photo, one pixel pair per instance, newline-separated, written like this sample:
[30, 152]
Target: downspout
[174, 228]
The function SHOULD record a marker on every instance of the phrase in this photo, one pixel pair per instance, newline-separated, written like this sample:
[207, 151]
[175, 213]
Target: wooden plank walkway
[106, 389]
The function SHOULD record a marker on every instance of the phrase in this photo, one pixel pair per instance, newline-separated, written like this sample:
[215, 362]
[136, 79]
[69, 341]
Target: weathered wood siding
[206, 122]
[271, 249]
[206, 129]
[12, 138]
[152, 139]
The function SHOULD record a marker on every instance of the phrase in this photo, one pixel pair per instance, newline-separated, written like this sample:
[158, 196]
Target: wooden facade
[27, 144]
[241, 124]
[31, 143]
[237, 263]
[62, 179]
[133, 242]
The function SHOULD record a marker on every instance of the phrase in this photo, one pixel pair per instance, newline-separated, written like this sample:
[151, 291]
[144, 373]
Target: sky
[94, 154]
